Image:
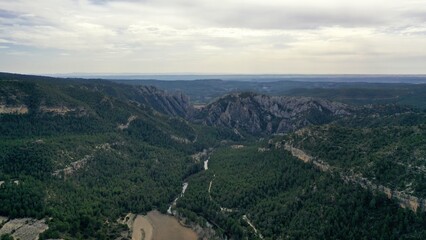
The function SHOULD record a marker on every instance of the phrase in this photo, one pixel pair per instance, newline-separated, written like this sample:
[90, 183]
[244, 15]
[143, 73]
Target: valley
[246, 165]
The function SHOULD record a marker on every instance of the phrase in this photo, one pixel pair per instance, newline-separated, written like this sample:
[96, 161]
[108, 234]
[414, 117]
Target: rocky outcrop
[173, 104]
[59, 110]
[129, 120]
[180, 139]
[405, 200]
[201, 156]
[6, 109]
[74, 166]
[321, 165]
[237, 146]
[298, 153]
[259, 114]
[56, 110]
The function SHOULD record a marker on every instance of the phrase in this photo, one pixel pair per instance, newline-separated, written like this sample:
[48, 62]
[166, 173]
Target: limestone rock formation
[261, 114]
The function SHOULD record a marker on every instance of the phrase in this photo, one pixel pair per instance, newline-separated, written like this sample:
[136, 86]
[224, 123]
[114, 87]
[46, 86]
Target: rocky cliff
[261, 114]
[174, 104]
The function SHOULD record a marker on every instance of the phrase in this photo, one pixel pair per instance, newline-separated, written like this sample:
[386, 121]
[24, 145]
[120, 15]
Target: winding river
[184, 187]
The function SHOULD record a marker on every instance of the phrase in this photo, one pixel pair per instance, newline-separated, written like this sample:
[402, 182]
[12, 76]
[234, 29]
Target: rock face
[405, 200]
[174, 104]
[129, 120]
[74, 166]
[5, 109]
[259, 114]
[58, 110]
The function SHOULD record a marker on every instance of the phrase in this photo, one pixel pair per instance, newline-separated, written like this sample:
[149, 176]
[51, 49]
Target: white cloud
[271, 36]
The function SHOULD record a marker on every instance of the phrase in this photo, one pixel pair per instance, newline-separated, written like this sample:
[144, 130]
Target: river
[184, 187]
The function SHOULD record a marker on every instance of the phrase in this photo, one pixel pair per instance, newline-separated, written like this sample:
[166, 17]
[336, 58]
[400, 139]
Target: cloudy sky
[212, 36]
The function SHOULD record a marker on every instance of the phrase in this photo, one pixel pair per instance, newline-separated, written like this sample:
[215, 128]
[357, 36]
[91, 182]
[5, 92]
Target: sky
[213, 37]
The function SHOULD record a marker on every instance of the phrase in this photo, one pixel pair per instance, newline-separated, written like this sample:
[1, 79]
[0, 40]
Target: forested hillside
[83, 155]
[286, 198]
[392, 155]
[79, 154]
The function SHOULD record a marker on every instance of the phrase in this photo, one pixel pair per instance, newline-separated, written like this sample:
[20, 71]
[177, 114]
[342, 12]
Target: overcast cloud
[206, 36]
